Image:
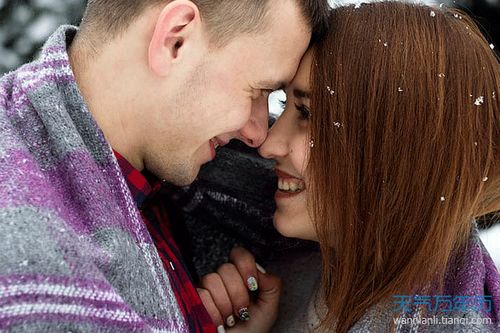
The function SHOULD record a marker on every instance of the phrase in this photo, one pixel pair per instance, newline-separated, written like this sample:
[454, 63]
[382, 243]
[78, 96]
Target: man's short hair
[224, 18]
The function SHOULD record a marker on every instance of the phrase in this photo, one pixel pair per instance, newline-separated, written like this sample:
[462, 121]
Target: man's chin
[184, 182]
[185, 178]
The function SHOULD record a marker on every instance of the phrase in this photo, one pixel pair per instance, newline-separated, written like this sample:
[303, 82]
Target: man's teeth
[290, 185]
[216, 144]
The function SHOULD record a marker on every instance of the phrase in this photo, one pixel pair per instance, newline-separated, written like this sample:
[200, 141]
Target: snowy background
[25, 24]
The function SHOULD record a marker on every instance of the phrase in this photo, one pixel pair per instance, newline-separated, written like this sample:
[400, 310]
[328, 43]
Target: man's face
[224, 96]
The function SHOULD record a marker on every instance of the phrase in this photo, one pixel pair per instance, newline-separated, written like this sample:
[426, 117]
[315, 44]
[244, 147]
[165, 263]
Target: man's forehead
[281, 76]
[286, 40]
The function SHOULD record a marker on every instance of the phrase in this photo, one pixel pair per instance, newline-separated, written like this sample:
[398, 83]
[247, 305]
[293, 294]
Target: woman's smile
[288, 185]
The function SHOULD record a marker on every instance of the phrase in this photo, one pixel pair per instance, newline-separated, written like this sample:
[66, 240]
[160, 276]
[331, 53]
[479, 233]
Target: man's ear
[176, 23]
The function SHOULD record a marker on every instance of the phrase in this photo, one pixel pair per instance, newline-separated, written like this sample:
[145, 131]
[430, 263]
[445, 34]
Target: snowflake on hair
[479, 101]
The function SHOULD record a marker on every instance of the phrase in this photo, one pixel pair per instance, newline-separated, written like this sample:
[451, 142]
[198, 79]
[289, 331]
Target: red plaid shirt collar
[142, 186]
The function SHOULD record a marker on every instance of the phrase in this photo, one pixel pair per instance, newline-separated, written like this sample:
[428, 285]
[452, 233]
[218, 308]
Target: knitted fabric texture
[74, 252]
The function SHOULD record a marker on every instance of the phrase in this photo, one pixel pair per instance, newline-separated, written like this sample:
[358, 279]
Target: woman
[387, 150]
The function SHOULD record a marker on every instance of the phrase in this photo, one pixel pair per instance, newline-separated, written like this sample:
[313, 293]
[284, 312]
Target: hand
[226, 296]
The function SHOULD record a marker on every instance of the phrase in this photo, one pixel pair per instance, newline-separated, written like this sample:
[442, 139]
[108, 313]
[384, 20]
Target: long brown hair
[405, 120]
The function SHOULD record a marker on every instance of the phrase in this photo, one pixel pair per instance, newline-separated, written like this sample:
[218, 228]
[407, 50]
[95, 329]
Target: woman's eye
[304, 112]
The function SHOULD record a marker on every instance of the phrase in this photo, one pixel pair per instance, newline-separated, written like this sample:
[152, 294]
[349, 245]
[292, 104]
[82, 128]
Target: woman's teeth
[291, 185]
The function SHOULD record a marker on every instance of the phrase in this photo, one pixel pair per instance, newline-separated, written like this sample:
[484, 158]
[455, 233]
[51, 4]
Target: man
[153, 86]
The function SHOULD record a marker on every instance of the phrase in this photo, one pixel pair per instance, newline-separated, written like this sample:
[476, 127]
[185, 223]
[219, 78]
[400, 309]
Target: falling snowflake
[400, 89]
[485, 179]
[479, 101]
[311, 143]
[433, 14]
[330, 90]
[492, 46]
[441, 75]
[443, 199]
[337, 124]
[386, 44]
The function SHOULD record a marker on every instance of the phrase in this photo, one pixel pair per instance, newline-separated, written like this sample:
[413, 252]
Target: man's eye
[266, 92]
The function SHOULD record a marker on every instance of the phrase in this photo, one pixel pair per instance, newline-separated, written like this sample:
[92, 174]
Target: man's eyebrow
[273, 85]
[299, 93]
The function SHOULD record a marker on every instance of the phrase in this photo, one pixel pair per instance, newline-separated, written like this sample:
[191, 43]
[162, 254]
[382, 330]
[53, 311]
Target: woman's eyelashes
[304, 112]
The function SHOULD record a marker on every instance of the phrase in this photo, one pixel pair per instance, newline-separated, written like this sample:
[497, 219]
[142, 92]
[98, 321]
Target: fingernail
[244, 314]
[260, 268]
[230, 321]
[221, 329]
[252, 284]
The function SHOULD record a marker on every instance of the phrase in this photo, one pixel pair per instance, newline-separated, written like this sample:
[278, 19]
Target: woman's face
[288, 144]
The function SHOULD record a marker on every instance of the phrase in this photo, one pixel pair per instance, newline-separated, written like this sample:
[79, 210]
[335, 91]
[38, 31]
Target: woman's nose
[275, 145]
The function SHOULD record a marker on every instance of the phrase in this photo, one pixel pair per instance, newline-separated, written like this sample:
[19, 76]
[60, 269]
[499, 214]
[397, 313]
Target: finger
[245, 262]
[236, 289]
[269, 294]
[214, 284]
[210, 306]
[260, 268]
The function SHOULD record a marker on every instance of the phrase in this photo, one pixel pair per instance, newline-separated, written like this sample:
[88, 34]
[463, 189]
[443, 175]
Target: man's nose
[255, 130]
[254, 133]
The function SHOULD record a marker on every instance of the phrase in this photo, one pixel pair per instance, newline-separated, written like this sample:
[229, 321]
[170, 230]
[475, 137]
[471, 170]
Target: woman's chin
[284, 230]
[293, 227]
